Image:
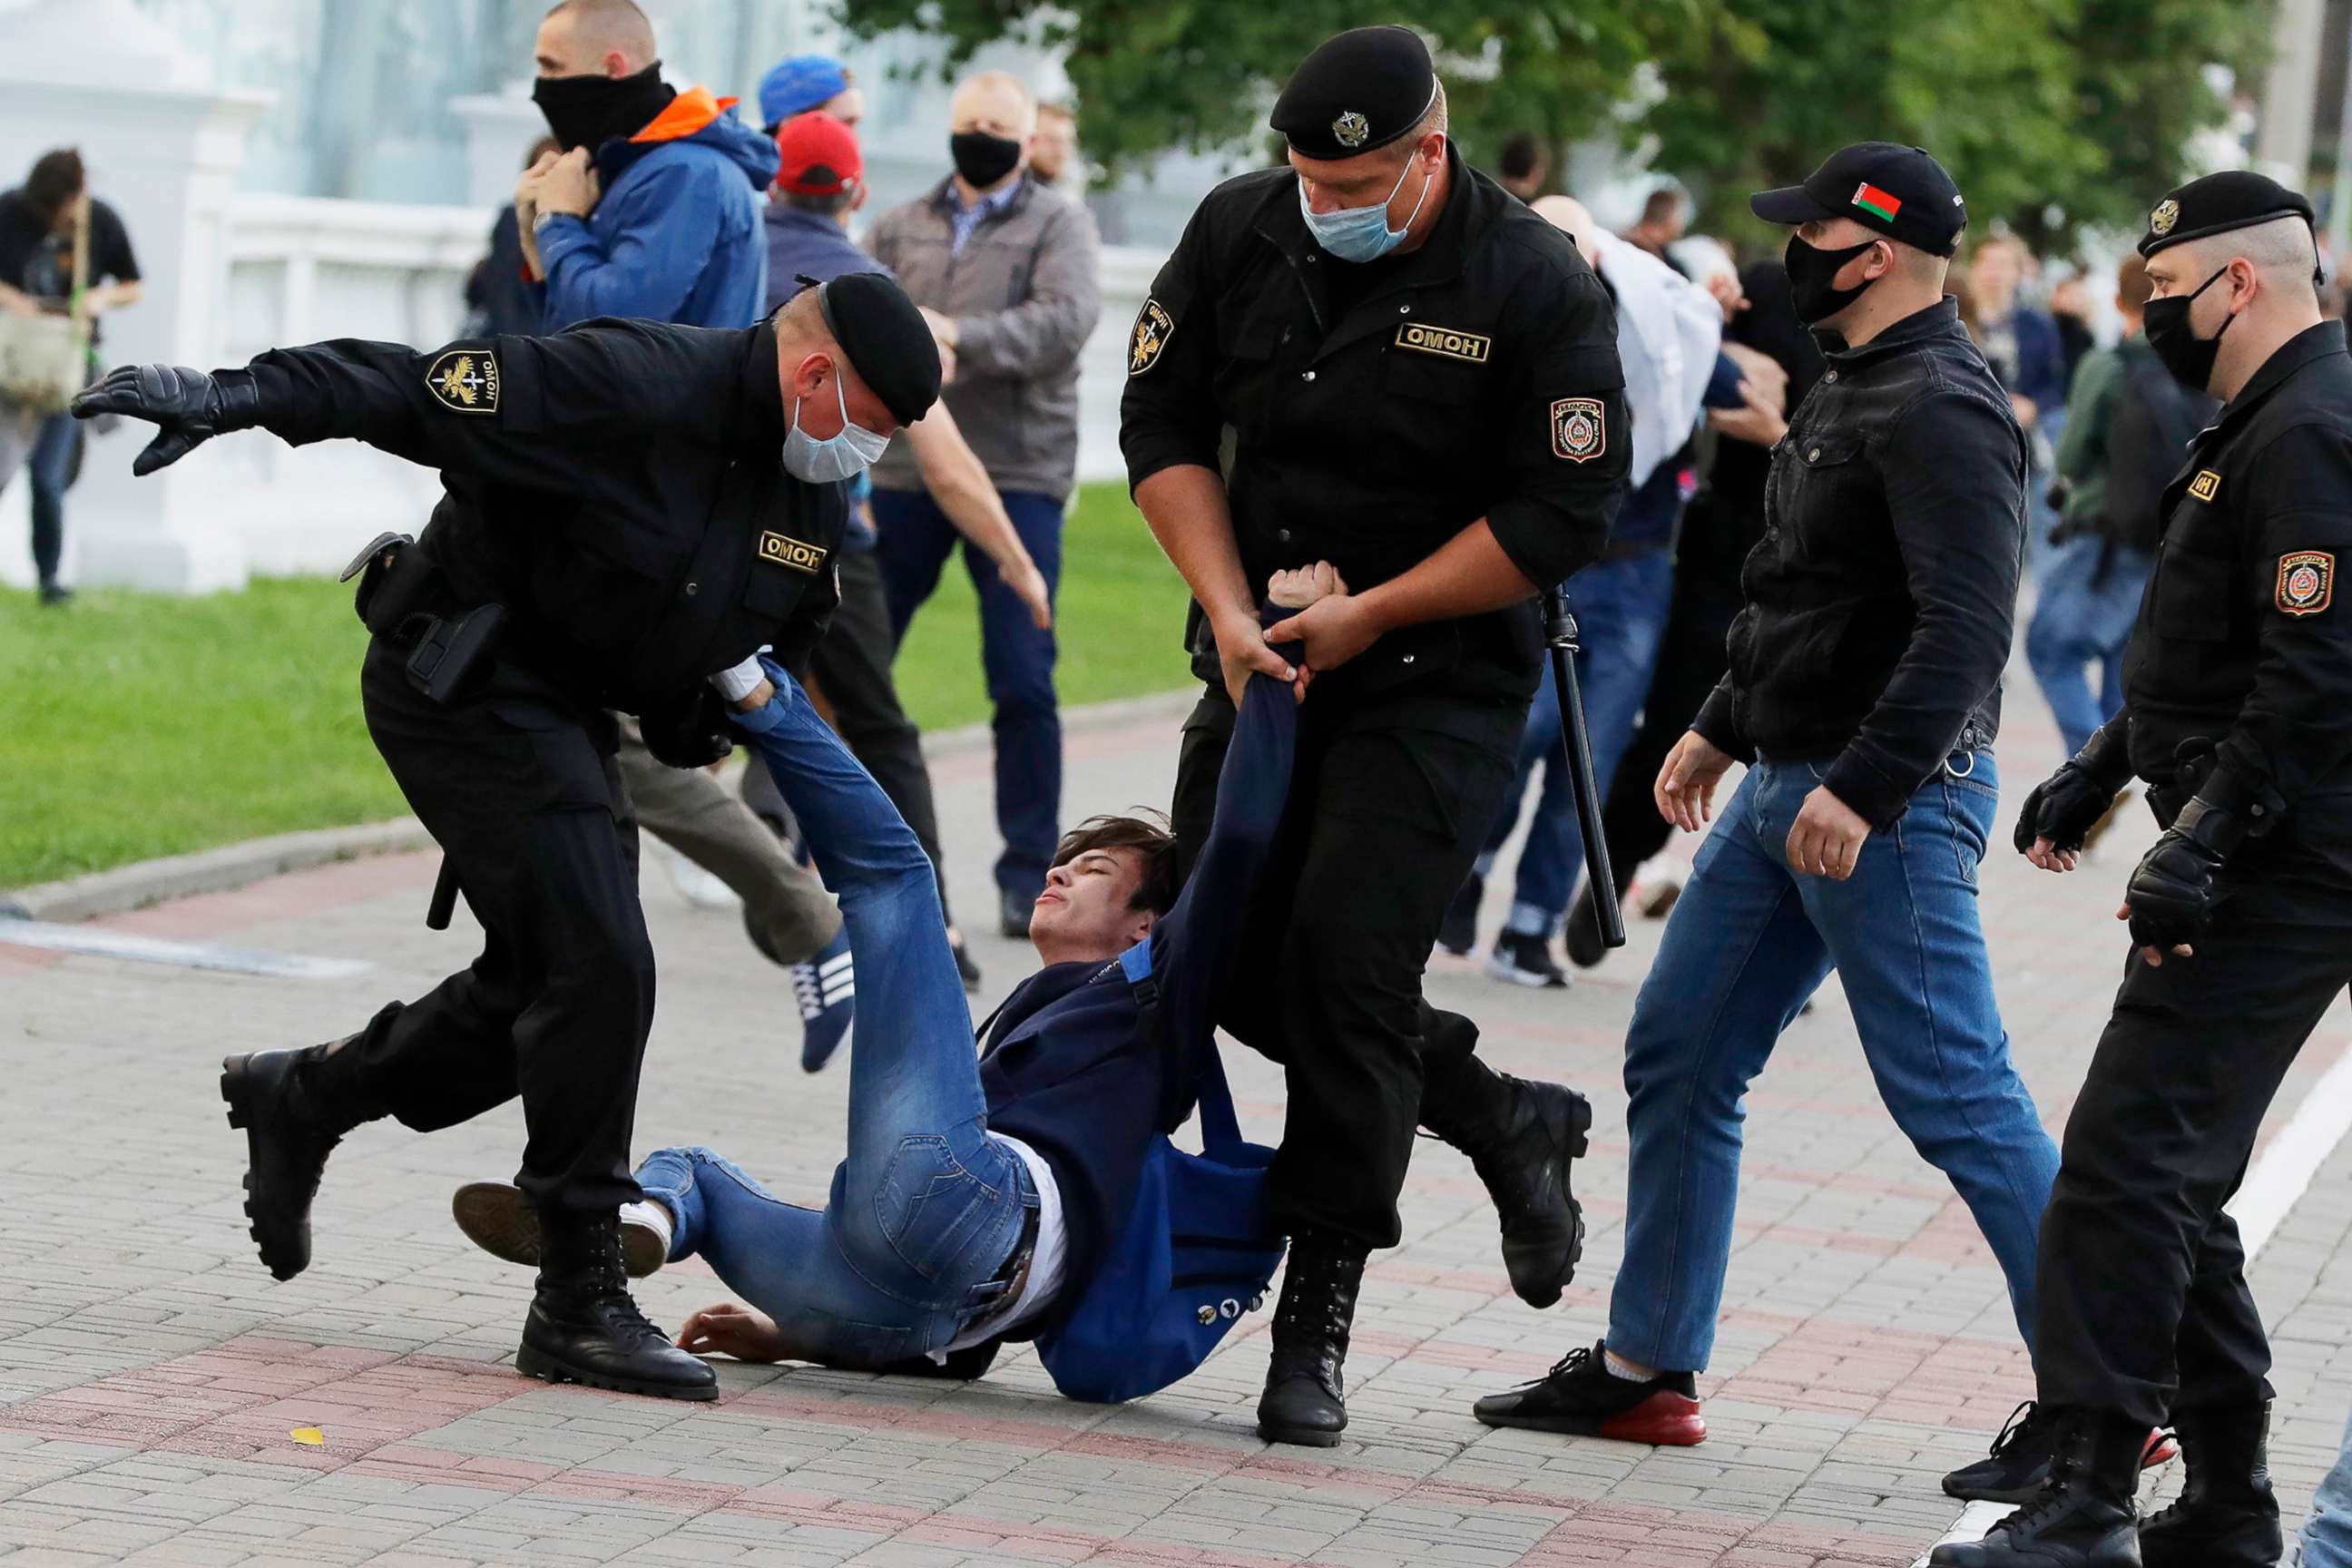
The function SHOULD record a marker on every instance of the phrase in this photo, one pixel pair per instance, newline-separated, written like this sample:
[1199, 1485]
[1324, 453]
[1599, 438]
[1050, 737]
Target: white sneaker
[695, 884]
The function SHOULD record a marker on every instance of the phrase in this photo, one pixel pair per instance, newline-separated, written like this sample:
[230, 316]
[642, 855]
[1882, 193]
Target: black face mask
[2188, 357]
[1810, 273]
[983, 159]
[590, 111]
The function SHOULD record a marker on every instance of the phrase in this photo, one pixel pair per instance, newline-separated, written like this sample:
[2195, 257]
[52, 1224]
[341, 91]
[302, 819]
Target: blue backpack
[1196, 1251]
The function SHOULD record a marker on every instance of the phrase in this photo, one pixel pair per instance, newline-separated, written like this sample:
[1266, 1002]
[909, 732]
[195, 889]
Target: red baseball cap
[817, 155]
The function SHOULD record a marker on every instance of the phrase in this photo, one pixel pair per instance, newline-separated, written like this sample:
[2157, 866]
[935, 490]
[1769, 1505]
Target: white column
[163, 149]
[2291, 90]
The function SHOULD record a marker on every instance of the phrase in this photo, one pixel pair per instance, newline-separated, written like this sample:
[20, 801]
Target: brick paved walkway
[151, 1374]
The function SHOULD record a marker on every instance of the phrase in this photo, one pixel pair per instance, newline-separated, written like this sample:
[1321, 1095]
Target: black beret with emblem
[1362, 90]
[885, 339]
[2236, 198]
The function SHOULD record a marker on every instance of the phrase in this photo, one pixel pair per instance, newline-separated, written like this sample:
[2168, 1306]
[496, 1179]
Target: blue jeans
[47, 468]
[927, 1206]
[2084, 619]
[1748, 943]
[2326, 1539]
[1018, 659]
[1620, 616]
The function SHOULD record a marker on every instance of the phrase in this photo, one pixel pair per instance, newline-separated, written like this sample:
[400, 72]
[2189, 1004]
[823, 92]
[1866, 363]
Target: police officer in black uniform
[2241, 917]
[1420, 380]
[631, 508]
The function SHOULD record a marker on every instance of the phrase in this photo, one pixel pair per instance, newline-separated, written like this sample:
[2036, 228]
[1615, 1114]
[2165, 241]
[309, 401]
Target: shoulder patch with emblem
[466, 381]
[2206, 485]
[2306, 582]
[1153, 327]
[1578, 430]
[782, 550]
[1422, 338]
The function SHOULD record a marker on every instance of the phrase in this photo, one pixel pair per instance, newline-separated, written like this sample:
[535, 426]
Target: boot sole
[1548, 1261]
[496, 1218]
[236, 1083]
[1661, 1421]
[548, 1369]
[1301, 1437]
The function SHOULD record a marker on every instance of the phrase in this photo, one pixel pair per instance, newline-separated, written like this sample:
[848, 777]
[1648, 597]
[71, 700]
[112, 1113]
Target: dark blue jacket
[676, 236]
[1070, 1070]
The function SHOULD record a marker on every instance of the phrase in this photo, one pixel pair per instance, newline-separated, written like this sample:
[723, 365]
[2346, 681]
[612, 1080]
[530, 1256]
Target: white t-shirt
[1046, 1263]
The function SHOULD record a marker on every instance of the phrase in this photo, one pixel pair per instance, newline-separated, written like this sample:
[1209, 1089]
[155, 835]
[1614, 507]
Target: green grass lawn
[133, 725]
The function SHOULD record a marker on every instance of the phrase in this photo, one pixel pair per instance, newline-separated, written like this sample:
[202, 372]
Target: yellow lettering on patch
[1470, 347]
[786, 551]
[2206, 485]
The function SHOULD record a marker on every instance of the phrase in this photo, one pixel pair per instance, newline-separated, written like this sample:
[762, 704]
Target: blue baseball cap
[799, 84]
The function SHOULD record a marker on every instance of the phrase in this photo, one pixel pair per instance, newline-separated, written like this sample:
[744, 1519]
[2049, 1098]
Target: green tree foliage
[2051, 113]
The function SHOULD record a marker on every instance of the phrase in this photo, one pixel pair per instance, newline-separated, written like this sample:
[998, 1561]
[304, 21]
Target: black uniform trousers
[1391, 799]
[851, 665]
[519, 788]
[2143, 1300]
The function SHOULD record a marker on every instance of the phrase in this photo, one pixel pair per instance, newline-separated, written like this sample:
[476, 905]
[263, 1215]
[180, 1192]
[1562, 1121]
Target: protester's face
[848, 106]
[2068, 300]
[993, 107]
[1995, 270]
[560, 50]
[1087, 907]
[1055, 143]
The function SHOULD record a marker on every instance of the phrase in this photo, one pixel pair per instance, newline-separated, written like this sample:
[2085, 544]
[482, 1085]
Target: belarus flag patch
[1870, 198]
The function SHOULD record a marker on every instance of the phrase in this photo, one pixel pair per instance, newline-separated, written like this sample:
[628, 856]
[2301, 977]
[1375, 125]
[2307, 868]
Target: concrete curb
[234, 866]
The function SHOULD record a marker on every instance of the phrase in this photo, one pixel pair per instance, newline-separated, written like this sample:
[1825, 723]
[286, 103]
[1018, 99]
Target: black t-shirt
[40, 263]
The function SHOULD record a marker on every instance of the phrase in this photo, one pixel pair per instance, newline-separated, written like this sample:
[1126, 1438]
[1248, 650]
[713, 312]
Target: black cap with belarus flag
[1899, 191]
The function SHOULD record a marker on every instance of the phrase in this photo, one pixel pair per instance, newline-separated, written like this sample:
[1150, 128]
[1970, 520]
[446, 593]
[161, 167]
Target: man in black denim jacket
[1865, 674]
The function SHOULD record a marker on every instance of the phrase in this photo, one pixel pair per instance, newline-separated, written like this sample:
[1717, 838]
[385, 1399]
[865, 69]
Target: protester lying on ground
[978, 1195]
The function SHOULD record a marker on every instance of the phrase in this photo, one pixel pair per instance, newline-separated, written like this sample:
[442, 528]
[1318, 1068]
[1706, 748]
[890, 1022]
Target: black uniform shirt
[618, 487]
[1378, 410]
[2240, 644]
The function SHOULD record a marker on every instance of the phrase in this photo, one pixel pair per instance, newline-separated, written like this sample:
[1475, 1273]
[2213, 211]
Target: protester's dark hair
[1661, 205]
[1147, 834]
[830, 206]
[56, 180]
[1520, 156]
[2132, 286]
[539, 149]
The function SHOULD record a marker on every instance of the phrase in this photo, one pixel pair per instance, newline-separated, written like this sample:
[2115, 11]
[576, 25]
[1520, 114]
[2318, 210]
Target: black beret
[887, 342]
[1362, 90]
[1901, 192]
[2236, 198]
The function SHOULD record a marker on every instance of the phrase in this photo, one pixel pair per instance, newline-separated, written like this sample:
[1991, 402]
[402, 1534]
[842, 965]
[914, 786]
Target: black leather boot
[295, 1107]
[1521, 1138]
[1305, 1400]
[585, 1328]
[2226, 1517]
[2084, 1515]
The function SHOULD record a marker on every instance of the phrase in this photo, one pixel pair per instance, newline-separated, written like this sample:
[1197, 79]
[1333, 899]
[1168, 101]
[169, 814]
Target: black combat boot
[2082, 1517]
[1305, 1401]
[1521, 1138]
[295, 1107]
[2227, 1516]
[583, 1326]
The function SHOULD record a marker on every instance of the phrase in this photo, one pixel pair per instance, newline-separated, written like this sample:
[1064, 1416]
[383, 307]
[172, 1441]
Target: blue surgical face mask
[836, 458]
[1362, 234]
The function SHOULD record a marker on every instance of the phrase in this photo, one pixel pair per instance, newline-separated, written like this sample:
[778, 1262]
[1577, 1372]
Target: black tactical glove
[2064, 807]
[690, 733]
[190, 406]
[2173, 894]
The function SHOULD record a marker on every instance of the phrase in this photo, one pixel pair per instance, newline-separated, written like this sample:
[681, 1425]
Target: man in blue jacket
[652, 210]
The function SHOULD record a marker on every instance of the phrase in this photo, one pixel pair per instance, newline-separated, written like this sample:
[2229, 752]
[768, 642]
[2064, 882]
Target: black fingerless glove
[2065, 806]
[693, 733]
[2178, 885]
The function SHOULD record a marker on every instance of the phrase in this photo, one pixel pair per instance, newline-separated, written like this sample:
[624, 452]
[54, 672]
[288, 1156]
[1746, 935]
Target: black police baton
[1576, 746]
